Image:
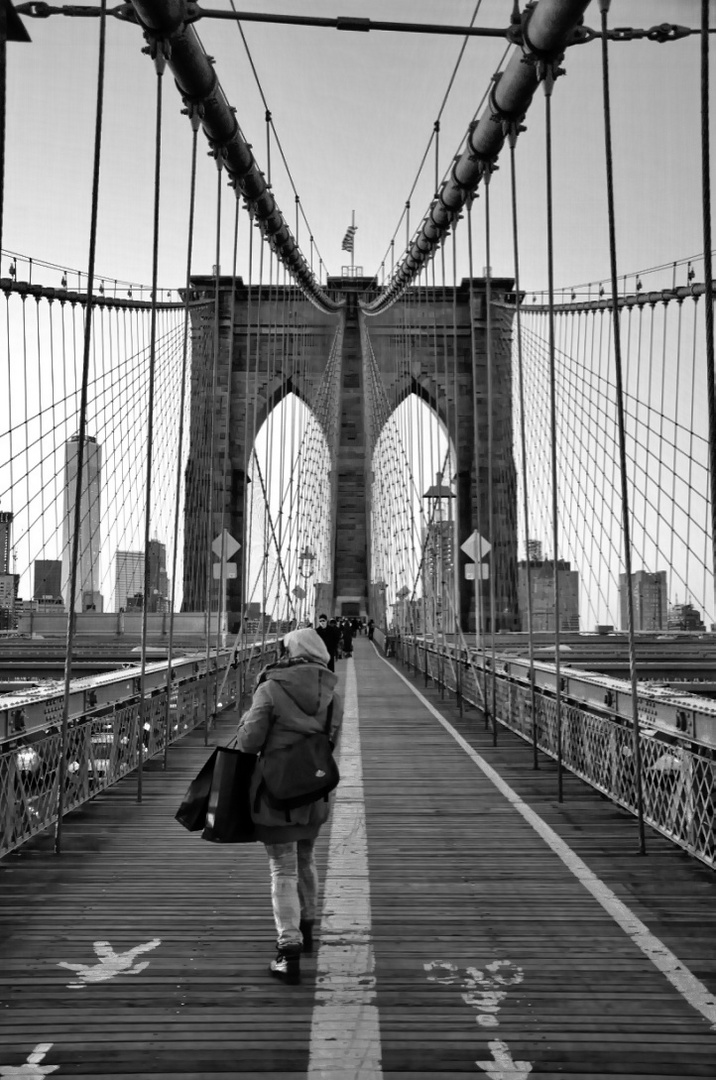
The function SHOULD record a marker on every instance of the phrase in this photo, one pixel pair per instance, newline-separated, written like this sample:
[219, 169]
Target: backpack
[301, 773]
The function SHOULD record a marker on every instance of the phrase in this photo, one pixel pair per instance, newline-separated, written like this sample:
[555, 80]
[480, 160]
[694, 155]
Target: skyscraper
[651, 605]
[87, 595]
[128, 578]
[8, 580]
[541, 578]
[158, 581]
[48, 580]
[5, 545]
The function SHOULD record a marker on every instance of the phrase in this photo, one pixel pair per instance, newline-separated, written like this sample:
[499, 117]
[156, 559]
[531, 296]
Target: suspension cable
[195, 123]
[546, 30]
[159, 62]
[636, 744]
[208, 571]
[548, 75]
[62, 778]
[512, 139]
[476, 437]
[708, 271]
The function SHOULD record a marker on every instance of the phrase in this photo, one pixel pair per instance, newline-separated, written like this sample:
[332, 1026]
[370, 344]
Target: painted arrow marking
[502, 1067]
[485, 989]
[32, 1069]
[109, 963]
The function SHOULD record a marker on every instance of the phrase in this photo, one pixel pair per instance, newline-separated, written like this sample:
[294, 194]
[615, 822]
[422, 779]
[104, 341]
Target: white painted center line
[345, 1030]
[681, 978]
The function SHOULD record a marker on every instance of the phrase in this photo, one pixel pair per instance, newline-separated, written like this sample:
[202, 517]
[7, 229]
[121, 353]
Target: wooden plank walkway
[491, 955]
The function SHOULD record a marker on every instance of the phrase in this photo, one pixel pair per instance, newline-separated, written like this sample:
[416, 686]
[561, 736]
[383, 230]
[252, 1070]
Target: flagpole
[353, 245]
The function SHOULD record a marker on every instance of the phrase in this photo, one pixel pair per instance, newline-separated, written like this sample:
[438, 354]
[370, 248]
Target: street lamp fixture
[306, 562]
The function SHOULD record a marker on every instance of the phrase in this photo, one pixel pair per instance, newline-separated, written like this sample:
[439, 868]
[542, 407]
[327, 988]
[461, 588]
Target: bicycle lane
[494, 956]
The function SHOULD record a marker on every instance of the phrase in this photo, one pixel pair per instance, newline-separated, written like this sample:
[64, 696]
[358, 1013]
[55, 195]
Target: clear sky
[354, 113]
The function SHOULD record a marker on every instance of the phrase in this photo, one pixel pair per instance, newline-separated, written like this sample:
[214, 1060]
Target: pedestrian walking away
[294, 697]
[330, 635]
[347, 637]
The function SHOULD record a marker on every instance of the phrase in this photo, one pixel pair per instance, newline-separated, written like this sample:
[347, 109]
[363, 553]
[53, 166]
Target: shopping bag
[228, 811]
[192, 812]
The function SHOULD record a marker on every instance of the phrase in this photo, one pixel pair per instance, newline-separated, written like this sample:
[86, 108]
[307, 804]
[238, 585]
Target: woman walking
[292, 699]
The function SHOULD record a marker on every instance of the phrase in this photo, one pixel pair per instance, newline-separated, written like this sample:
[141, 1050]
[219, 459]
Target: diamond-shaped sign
[476, 547]
[230, 546]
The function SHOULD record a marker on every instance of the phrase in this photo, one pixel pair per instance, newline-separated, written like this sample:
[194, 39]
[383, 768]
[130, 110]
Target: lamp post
[439, 499]
[306, 562]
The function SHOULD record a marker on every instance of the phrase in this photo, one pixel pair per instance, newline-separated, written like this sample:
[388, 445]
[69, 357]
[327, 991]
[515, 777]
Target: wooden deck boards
[457, 877]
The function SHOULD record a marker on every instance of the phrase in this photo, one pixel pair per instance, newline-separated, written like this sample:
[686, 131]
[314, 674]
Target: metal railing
[678, 774]
[103, 745]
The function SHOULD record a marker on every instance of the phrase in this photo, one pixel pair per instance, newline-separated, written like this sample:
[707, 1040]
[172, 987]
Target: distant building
[128, 579]
[158, 580]
[438, 575]
[541, 575]
[87, 594]
[5, 540]
[651, 605]
[48, 581]
[684, 617]
[9, 584]
[534, 551]
[408, 614]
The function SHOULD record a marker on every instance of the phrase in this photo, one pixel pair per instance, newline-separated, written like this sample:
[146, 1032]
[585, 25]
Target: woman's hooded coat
[291, 700]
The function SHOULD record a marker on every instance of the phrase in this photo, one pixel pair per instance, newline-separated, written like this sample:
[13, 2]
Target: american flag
[349, 238]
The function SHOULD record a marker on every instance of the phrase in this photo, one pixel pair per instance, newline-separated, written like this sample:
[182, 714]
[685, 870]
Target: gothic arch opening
[288, 523]
[413, 520]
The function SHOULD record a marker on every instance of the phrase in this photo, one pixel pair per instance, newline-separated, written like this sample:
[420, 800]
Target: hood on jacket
[306, 644]
[310, 686]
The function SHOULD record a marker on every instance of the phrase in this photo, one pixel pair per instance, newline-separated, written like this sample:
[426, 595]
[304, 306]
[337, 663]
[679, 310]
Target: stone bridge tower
[289, 354]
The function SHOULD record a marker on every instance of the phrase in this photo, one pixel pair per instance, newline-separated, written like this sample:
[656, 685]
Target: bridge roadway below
[472, 925]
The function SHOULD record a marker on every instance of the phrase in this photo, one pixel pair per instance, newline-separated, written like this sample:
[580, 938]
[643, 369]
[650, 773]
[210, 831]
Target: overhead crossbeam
[546, 30]
[166, 26]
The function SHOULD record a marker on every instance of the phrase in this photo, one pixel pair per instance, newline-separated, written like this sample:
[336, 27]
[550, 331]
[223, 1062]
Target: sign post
[224, 546]
[477, 548]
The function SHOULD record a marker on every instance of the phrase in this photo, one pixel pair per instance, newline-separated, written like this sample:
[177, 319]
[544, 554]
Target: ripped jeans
[294, 887]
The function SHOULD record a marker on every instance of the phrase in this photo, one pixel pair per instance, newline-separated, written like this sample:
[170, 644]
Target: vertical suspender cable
[512, 136]
[144, 709]
[636, 745]
[245, 561]
[195, 123]
[489, 344]
[227, 434]
[548, 81]
[459, 640]
[479, 598]
[708, 271]
[62, 778]
[212, 433]
[254, 425]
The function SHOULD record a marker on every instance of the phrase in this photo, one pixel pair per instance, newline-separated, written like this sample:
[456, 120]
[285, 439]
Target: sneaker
[287, 965]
